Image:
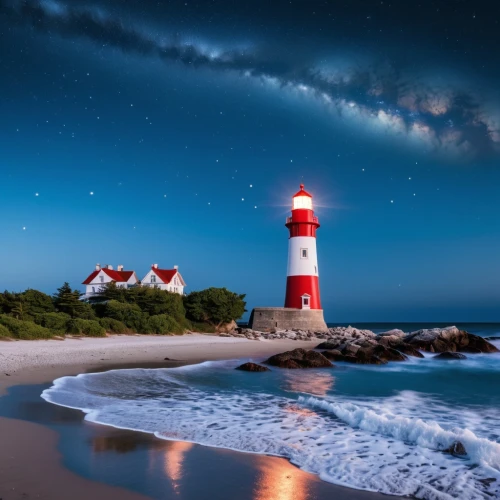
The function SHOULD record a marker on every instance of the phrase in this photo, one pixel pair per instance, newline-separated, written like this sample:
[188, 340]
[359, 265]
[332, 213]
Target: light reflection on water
[280, 481]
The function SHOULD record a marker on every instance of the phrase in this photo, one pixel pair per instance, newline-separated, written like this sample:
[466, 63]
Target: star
[392, 201]
[91, 193]
[251, 185]
[24, 228]
[242, 199]
[36, 194]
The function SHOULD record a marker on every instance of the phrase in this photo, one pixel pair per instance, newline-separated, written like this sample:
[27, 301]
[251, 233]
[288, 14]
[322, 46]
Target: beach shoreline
[40, 362]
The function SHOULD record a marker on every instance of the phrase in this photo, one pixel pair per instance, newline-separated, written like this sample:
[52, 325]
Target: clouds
[444, 117]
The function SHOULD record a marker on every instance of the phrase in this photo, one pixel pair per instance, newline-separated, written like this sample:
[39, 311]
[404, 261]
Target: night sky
[176, 132]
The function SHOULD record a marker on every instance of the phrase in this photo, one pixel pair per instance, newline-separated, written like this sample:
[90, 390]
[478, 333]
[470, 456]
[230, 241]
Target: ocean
[376, 428]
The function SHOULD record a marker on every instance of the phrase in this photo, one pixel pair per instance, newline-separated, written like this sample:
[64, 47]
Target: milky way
[447, 118]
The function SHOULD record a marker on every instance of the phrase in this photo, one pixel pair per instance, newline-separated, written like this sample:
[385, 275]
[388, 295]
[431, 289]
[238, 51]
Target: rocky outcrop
[367, 355]
[299, 358]
[343, 343]
[252, 367]
[450, 355]
[448, 339]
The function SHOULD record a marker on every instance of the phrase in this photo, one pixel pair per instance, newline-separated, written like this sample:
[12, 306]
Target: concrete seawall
[281, 318]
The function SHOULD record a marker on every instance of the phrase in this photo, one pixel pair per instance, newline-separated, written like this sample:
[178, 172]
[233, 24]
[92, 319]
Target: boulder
[457, 449]
[252, 367]
[408, 349]
[450, 355]
[299, 358]
[329, 344]
[448, 339]
[393, 333]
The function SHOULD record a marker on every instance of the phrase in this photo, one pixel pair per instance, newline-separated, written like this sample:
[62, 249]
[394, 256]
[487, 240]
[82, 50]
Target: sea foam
[386, 444]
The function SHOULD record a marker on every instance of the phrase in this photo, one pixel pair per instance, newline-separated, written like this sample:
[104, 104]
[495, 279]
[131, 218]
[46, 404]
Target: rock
[457, 449]
[388, 354]
[228, 327]
[393, 333]
[299, 358]
[252, 367]
[450, 355]
[408, 350]
[328, 345]
[225, 335]
[448, 339]
[492, 338]
[166, 359]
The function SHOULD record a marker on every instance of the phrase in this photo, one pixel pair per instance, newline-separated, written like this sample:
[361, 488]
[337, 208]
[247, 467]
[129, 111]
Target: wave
[386, 444]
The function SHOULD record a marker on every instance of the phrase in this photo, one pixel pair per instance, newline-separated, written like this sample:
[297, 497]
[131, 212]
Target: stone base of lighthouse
[283, 318]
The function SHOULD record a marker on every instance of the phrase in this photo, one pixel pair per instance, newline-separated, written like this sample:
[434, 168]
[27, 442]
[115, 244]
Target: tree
[68, 301]
[110, 291]
[20, 309]
[215, 306]
[37, 302]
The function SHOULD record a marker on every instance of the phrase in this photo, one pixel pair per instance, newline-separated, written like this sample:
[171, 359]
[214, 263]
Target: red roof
[302, 192]
[165, 275]
[118, 276]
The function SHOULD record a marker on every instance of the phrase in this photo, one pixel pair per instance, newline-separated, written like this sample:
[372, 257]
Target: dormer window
[153, 278]
[101, 278]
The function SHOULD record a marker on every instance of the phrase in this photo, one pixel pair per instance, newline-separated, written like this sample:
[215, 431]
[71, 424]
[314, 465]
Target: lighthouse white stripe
[297, 264]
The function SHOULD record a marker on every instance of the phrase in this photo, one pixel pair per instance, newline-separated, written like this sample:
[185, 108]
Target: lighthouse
[302, 282]
[302, 309]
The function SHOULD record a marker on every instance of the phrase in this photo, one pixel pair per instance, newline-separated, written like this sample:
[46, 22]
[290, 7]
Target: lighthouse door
[306, 301]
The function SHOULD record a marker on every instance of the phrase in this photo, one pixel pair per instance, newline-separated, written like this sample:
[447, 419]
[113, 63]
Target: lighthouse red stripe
[296, 286]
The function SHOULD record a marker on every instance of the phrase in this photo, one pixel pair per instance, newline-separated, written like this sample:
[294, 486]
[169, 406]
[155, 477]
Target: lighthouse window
[315, 270]
[303, 253]
[306, 301]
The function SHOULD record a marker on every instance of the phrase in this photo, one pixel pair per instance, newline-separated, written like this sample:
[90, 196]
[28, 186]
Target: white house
[107, 274]
[165, 279]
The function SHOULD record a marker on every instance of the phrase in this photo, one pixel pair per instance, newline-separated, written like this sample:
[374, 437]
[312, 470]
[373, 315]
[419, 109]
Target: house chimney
[120, 268]
[109, 266]
[176, 267]
[155, 266]
[98, 267]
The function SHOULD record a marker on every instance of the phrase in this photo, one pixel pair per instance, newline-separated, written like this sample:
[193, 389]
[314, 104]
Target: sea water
[381, 428]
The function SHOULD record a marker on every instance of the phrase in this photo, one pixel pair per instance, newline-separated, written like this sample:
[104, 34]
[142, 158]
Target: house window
[153, 278]
[303, 253]
[101, 278]
[93, 289]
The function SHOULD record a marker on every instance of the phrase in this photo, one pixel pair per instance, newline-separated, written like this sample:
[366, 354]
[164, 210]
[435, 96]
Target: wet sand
[49, 452]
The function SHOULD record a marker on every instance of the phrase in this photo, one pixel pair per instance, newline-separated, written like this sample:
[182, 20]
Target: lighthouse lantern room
[302, 285]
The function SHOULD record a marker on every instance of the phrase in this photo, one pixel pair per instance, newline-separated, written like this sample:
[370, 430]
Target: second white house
[164, 279]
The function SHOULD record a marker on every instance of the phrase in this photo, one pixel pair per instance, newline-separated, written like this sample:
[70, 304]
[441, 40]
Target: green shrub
[113, 325]
[130, 314]
[162, 324]
[4, 332]
[88, 327]
[53, 321]
[25, 330]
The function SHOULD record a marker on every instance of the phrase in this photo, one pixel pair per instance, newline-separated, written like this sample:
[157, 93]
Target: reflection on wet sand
[280, 480]
[317, 383]
[173, 461]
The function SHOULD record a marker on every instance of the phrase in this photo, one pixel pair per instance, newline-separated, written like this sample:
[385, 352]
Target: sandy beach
[31, 466]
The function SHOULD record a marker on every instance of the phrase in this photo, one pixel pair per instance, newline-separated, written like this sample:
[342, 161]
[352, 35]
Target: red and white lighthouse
[302, 283]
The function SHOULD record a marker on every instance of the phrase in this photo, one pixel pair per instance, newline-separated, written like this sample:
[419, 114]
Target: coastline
[40, 362]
